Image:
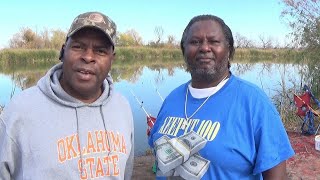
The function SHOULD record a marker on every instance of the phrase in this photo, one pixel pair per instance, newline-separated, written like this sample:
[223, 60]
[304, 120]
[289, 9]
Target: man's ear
[61, 53]
[113, 57]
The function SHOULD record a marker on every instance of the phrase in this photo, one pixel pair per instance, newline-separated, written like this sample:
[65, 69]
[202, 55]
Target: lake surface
[149, 85]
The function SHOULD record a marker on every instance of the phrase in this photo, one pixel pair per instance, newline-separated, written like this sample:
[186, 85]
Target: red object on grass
[303, 103]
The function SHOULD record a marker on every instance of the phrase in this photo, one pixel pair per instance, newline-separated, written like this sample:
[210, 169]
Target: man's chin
[203, 76]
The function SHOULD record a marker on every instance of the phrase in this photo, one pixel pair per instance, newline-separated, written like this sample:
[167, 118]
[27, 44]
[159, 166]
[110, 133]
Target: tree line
[53, 39]
[27, 38]
[302, 16]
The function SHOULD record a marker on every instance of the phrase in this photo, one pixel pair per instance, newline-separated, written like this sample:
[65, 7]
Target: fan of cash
[179, 156]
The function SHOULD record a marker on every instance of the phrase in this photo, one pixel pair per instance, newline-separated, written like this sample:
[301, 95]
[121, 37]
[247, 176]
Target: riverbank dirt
[305, 165]
[143, 168]
[306, 162]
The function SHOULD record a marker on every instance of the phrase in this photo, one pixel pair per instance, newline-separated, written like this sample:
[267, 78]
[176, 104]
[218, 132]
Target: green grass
[129, 54]
[270, 55]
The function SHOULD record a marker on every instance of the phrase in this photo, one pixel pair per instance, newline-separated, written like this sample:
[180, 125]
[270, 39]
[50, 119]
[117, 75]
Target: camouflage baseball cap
[95, 20]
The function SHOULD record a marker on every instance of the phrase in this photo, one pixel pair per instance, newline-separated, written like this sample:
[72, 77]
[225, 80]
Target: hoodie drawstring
[78, 132]
[79, 143]
[105, 129]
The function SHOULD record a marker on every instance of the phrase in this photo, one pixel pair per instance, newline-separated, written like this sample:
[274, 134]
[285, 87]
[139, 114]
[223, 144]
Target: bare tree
[242, 41]
[45, 36]
[159, 33]
[171, 41]
[266, 43]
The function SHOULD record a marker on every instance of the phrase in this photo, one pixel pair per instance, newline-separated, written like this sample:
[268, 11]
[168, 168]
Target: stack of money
[168, 157]
[173, 152]
[194, 168]
[193, 141]
[163, 139]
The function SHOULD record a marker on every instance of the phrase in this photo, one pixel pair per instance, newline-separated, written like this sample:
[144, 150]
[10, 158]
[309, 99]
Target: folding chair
[306, 112]
[150, 122]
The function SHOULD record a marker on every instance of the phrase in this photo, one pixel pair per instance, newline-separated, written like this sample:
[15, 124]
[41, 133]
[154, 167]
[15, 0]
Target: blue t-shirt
[244, 131]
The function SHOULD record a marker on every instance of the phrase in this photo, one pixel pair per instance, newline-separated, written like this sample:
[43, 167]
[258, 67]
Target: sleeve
[9, 155]
[130, 163]
[271, 139]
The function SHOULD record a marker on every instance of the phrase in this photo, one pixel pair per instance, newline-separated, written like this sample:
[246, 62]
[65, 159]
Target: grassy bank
[136, 54]
[122, 53]
[270, 55]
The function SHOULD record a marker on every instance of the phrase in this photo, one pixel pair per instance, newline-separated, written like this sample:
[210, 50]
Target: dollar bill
[194, 168]
[163, 139]
[167, 157]
[193, 141]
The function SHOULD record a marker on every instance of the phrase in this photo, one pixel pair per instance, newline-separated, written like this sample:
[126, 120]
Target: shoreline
[142, 167]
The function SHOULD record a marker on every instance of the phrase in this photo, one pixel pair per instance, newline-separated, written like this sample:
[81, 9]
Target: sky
[250, 18]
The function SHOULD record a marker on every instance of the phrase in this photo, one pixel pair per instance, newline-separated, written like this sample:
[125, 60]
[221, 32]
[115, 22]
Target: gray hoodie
[47, 134]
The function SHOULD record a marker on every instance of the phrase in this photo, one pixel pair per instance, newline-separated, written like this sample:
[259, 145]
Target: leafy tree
[129, 38]
[57, 39]
[26, 38]
[136, 37]
[125, 40]
[303, 16]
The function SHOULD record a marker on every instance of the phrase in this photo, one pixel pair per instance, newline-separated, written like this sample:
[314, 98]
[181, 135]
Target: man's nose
[88, 55]
[204, 46]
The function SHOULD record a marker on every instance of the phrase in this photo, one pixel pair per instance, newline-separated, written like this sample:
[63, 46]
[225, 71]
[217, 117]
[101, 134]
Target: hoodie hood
[51, 87]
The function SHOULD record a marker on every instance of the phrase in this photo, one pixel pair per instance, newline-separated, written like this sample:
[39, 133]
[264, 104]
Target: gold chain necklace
[186, 101]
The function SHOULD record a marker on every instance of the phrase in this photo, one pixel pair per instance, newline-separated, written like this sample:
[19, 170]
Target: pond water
[150, 85]
[7, 87]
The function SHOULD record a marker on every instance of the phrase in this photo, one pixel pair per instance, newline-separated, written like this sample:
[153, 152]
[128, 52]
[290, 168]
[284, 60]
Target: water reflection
[149, 81]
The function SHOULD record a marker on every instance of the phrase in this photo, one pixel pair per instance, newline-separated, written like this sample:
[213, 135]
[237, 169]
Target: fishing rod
[140, 103]
[150, 120]
[158, 92]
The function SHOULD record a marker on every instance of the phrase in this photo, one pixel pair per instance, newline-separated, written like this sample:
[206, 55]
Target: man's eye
[213, 41]
[195, 42]
[101, 51]
[76, 46]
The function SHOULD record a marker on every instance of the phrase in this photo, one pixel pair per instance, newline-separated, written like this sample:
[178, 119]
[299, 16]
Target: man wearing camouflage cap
[72, 124]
